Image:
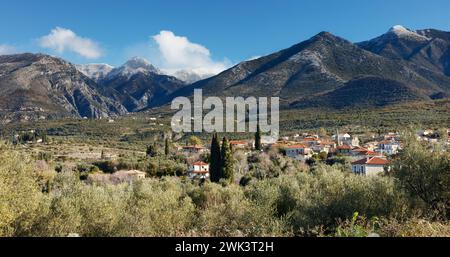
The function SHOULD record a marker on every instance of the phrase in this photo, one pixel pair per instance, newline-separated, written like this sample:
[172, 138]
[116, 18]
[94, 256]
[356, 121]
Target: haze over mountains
[324, 71]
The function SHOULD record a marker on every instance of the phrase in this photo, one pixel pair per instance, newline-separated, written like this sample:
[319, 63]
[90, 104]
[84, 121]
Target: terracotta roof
[298, 146]
[238, 142]
[200, 163]
[372, 161]
[367, 152]
[200, 171]
[311, 139]
[363, 151]
[344, 147]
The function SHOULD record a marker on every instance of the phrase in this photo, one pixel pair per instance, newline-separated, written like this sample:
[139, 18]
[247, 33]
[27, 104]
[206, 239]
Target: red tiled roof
[372, 161]
[200, 171]
[296, 146]
[238, 142]
[310, 139]
[386, 141]
[363, 151]
[344, 147]
[200, 163]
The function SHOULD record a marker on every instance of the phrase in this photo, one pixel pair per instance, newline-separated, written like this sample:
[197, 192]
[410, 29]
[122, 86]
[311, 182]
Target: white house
[369, 166]
[344, 149]
[388, 147]
[199, 170]
[297, 151]
[346, 139]
[321, 148]
[337, 137]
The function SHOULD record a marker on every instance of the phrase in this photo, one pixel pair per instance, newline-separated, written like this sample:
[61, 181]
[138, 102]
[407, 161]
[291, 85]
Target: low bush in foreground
[321, 202]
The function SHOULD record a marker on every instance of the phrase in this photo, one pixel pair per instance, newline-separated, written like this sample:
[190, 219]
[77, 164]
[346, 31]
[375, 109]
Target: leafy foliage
[321, 202]
[425, 174]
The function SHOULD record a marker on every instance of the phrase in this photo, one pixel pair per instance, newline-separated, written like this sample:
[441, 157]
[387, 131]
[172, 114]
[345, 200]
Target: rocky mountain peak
[400, 31]
[133, 66]
[95, 71]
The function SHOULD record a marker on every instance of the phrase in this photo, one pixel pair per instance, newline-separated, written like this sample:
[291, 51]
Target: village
[368, 157]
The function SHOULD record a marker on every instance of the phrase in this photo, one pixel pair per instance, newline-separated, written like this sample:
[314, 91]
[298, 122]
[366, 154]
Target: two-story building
[297, 152]
[198, 170]
[346, 139]
[344, 150]
[369, 166]
[388, 147]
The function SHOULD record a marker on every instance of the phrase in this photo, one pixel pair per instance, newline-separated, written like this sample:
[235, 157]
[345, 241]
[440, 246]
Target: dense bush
[20, 196]
[425, 174]
[322, 201]
[226, 211]
[161, 166]
[111, 166]
[322, 198]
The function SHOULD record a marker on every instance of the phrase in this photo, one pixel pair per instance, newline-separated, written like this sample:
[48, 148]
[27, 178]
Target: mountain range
[137, 85]
[324, 71]
[329, 71]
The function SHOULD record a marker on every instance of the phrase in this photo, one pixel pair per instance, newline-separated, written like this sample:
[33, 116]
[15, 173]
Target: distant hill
[38, 85]
[327, 65]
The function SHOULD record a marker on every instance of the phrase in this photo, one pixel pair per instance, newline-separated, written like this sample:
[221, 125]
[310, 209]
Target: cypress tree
[227, 162]
[214, 166]
[166, 147]
[258, 138]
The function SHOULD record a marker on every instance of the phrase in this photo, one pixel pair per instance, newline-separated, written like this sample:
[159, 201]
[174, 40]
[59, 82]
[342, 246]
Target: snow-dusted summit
[95, 71]
[402, 32]
[189, 76]
[133, 66]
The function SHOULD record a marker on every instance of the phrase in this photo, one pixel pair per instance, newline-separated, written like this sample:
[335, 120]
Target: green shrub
[21, 199]
[156, 208]
[425, 174]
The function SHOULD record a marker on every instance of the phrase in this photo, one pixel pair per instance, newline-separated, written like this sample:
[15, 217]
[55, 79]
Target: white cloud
[61, 40]
[177, 53]
[6, 49]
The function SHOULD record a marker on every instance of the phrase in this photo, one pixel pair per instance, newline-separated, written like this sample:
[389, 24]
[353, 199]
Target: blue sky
[217, 32]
